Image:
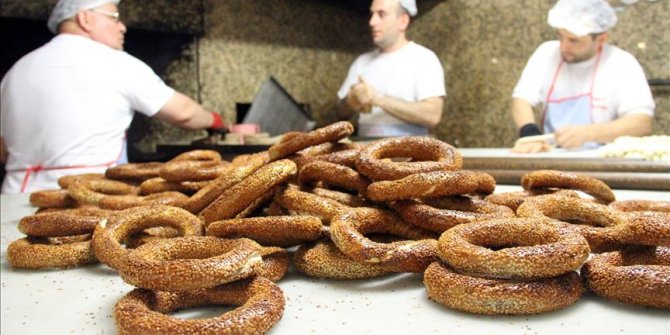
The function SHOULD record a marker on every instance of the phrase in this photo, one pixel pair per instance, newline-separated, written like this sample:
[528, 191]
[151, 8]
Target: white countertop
[507, 152]
[81, 301]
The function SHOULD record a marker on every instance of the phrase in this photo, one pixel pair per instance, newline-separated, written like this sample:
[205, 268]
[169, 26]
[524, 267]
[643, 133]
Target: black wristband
[529, 129]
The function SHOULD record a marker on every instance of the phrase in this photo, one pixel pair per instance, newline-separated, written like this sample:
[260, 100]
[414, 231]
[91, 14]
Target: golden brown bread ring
[239, 169]
[499, 296]
[513, 248]
[641, 205]
[235, 199]
[282, 231]
[92, 191]
[134, 171]
[190, 263]
[65, 181]
[647, 228]
[559, 179]
[428, 154]
[640, 277]
[323, 259]
[298, 202]
[261, 305]
[62, 223]
[40, 253]
[348, 230]
[179, 171]
[596, 222]
[198, 155]
[333, 174]
[342, 153]
[148, 235]
[341, 197]
[121, 202]
[158, 185]
[58, 198]
[439, 215]
[108, 234]
[297, 142]
[275, 262]
[514, 199]
[429, 185]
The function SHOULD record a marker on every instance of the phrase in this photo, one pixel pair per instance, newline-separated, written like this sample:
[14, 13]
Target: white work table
[81, 301]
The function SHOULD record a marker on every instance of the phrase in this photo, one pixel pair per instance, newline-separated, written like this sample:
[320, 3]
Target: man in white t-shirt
[398, 89]
[65, 106]
[591, 92]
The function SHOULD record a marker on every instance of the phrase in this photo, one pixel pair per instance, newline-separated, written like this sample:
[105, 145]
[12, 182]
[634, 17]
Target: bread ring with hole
[198, 155]
[514, 199]
[348, 229]
[300, 141]
[559, 179]
[134, 171]
[499, 296]
[439, 215]
[298, 202]
[179, 171]
[92, 191]
[322, 259]
[282, 231]
[40, 253]
[121, 202]
[427, 154]
[646, 228]
[641, 205]
[109, 234]
[158, 185]
[601, 225]
[62, 223]
[241, 195]
[190, 263]
[58, 198]
[65, 181]
[640, 277]
[333, 174]
[430, 185]
[510, 248]
[261, 305]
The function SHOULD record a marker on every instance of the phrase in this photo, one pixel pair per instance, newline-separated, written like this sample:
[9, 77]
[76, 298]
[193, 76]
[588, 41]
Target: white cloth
[69, 103]
[412, 73]
[619, 88]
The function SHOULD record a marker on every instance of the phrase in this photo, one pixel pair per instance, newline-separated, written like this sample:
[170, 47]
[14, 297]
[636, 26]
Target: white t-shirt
[619, 88]
[412, 73]
[69, 103]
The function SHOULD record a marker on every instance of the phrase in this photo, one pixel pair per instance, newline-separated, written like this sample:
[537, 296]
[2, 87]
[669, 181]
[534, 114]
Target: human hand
[360, 96]
[573, 136]
[531, 147]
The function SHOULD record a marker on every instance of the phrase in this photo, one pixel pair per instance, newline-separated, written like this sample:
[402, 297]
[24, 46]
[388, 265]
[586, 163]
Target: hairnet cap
[409, 6]
[66, 9]
[582, 17]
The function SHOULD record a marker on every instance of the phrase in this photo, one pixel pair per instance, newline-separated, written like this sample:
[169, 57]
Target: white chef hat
[66, 9]
[582, 17]
[409, 6]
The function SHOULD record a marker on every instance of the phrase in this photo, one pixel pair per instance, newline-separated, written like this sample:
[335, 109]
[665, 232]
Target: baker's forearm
[426, 113]
[522, 112]
[629, 125]
[184, 112]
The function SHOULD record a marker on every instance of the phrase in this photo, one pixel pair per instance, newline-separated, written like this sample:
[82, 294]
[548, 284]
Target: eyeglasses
[112, 15]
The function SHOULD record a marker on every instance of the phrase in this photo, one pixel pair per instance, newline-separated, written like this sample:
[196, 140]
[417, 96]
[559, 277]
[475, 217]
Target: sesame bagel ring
[348, 229]
[322, 259]
[92, 191]
[241, 195]
[427, 154]
[65, 181]
[599, 224]
[647, 228]
[109, 234]
[183, 170]
[513, 249]
[641, 205]
[134, 171]
[439, 215]
[514, 199]
[498, 296]
[62, 223]
[121, 202]
[40, 253]
[299, 141]
[351, 200]
[298, 202]
[282, 231]
[158, 184]
[559, 179]
[640, 277]
[431, 185]
[144, 312]
[190, 263]
[275, 262]
[58, 198]
[198, 155]
[333, 175]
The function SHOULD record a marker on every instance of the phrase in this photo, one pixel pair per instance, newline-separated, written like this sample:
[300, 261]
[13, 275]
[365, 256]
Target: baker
[65, 106]
[591, 92]
[398, 88]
